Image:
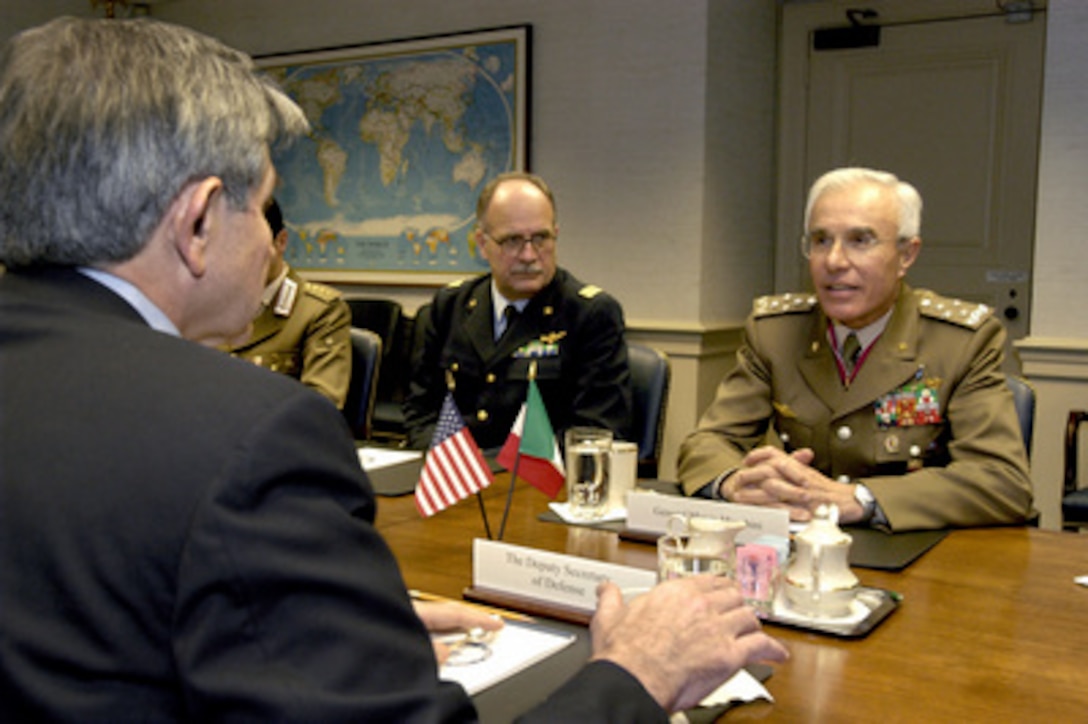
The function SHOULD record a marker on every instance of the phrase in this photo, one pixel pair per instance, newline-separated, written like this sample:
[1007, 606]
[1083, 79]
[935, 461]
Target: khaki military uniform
[571, 333]
[928, 423]
[305, 333]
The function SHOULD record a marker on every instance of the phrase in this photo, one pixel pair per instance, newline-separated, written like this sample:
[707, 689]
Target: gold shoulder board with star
[955, 311]
[589, 291]
[321, 291]
[455, 283]
[789, 303]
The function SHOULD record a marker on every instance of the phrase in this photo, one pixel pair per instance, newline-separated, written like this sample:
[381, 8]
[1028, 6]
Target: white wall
[1055, 356]
[618, 126]
[656, 207]
[1061, 239]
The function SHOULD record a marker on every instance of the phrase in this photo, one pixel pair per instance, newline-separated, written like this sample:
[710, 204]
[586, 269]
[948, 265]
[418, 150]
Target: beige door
[950, 104]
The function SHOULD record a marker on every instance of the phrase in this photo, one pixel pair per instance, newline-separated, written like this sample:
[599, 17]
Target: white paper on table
[611, 515]
[374, 458]
[515, 648]
[741, 687]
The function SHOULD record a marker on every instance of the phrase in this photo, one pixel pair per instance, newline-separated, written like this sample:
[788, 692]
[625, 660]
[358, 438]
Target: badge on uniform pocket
[546, 346]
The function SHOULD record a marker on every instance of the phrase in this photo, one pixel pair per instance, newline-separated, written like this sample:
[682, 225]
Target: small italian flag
[532, 437]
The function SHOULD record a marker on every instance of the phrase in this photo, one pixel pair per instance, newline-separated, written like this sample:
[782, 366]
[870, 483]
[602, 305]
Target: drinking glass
[587, 456]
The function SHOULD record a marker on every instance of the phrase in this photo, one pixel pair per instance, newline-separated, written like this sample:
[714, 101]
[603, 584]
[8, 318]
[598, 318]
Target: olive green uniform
[305, 333]
[927, 424]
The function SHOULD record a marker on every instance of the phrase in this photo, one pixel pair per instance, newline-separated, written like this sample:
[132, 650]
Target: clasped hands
[771, 477]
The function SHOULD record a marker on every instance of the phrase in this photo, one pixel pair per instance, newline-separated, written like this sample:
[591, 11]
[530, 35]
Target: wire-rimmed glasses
[855, 243]
[514, 244]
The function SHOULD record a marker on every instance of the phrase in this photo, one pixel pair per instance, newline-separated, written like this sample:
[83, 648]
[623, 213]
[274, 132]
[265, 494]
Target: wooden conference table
[991, 625]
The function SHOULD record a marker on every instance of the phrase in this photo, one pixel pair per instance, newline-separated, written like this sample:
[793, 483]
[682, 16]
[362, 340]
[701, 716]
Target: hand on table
[444, 616]
[682, 639]
[773, 478]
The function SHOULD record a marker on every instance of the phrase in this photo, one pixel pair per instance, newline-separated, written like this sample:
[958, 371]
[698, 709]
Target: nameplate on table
[552, 577]
[649, 512]
[376, 458]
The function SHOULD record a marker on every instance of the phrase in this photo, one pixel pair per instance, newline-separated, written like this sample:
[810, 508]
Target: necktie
[509, 314]
[850, 349]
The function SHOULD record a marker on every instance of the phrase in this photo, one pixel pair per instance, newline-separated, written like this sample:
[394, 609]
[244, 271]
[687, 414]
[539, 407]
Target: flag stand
[509, 495]
[483, 514]
[514, 471]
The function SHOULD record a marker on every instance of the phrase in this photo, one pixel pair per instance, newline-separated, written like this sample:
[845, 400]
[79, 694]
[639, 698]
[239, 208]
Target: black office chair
[650, 373]
[1023, 397]
[389, 425]
[366, 353]
[380, 316]
[386, 318]
[1074, 500]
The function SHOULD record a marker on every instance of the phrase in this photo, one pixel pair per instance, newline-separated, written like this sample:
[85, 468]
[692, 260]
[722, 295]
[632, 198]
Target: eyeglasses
[514, 244]
[856, 243]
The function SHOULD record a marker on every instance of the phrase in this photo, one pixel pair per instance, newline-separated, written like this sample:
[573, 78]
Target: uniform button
[844, 478]
[481, 415]
[490, 377]
[784, 437]
[915, 451]
[454, 367]
[844, 433]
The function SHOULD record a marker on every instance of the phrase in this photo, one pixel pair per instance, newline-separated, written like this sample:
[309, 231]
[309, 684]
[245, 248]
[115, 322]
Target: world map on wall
[401, 145]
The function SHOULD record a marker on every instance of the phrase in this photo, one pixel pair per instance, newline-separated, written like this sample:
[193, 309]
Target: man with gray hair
[185, 536]
[889, 402]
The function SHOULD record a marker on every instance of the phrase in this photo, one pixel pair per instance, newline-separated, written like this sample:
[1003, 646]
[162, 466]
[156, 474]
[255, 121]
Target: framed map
[405, 135]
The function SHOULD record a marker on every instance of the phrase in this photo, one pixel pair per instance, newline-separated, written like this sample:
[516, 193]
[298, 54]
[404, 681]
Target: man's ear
[481, 244]
[279, 242]
[908, 253]
[191, 219]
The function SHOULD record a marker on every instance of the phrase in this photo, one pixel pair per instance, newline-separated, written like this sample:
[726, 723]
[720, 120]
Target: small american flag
[455, 468]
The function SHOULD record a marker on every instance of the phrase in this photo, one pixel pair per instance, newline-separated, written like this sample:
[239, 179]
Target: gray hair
[104, 122]
[910, 201]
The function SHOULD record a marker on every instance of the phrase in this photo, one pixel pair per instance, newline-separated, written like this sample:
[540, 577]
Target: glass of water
[677, 559]
[587, 456]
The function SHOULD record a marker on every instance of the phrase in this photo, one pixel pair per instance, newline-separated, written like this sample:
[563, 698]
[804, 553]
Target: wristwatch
[718, 482]
[865, 499]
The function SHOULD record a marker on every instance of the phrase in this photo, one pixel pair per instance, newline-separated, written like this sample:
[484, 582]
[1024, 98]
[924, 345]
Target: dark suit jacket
[573, 331]
[184, 536]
